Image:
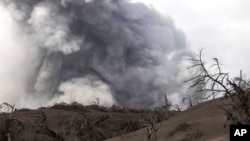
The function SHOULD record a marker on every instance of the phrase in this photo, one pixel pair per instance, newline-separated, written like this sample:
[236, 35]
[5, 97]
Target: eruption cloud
[117, 51]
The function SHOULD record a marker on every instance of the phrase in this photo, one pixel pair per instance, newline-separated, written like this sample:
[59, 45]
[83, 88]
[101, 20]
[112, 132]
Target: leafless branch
[209, 84]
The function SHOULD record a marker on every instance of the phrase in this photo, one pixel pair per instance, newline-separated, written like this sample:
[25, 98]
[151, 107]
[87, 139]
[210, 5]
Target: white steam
[51, 30]
[16, 61]
[86, 91]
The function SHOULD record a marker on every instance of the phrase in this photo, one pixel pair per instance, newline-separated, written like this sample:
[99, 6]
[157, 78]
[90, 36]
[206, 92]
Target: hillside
[203, 122]
[75, 122]
[63, 122]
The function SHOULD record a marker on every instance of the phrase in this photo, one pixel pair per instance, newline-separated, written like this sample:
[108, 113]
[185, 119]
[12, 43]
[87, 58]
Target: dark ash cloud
[121, 52]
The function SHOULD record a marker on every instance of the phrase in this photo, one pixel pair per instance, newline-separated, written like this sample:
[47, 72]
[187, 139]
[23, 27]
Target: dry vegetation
[75, 122]
[212, 81]
[191, 134]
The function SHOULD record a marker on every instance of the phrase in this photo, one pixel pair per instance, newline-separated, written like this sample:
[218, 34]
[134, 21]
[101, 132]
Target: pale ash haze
[219, 26]
[117, 51]
[16, 62]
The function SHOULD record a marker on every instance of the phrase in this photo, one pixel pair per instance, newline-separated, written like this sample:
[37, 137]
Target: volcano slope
[66, 122]
[63, 122]
[203, 122]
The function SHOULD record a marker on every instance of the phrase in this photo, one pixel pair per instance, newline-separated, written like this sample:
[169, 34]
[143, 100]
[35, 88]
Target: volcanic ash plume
[117, 51]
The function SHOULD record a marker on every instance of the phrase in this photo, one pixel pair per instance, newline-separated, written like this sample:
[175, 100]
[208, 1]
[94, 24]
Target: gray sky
[221, 27]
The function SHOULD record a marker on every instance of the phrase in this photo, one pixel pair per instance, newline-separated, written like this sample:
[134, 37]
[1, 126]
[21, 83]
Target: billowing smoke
[114, 51]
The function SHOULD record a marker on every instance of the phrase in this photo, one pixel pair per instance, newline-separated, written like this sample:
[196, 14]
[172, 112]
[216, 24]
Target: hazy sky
[222, 27]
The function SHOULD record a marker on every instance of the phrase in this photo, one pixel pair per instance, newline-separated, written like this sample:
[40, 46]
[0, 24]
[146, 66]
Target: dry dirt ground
[62, 122]
[203, 122]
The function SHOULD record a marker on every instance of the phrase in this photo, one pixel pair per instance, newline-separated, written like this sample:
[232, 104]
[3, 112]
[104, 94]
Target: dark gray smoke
[113, 50]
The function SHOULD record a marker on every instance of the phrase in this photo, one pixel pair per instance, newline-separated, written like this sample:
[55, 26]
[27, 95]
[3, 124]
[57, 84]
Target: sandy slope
[203, 122]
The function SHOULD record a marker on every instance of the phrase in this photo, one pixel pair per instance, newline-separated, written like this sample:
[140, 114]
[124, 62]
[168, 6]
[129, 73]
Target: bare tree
[211, 81]
[208, 84]
[8, 107]
[151, 131]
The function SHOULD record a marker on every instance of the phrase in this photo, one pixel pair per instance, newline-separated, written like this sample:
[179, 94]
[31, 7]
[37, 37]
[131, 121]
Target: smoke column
[117, 51]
